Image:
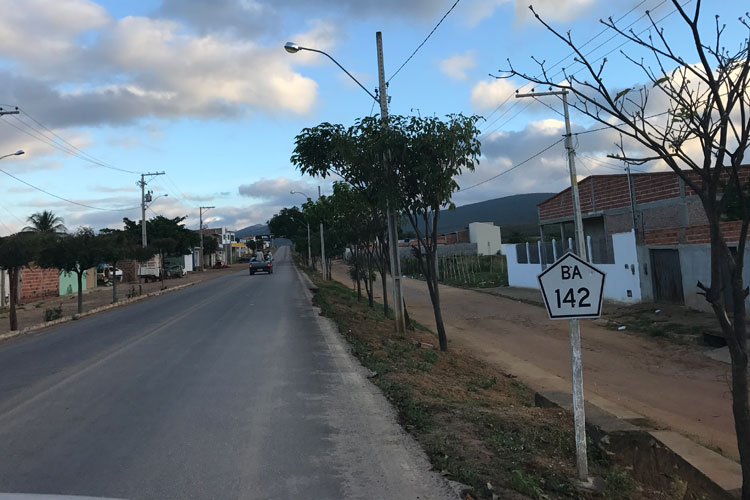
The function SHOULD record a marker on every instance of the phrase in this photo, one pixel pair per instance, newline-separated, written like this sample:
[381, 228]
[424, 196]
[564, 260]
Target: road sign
[572, 288]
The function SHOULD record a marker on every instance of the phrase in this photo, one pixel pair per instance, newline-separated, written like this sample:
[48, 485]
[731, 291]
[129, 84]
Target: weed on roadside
[477, 425]
[53, 313]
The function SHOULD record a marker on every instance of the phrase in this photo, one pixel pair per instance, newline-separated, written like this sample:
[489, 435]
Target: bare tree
[700, 130]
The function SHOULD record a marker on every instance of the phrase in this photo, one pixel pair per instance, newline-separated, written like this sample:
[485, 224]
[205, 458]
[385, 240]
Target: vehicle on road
[264, 265]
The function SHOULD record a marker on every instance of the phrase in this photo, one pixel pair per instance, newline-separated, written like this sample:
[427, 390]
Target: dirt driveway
[673, 386]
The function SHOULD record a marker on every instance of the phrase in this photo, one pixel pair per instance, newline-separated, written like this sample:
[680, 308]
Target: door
[667, 275]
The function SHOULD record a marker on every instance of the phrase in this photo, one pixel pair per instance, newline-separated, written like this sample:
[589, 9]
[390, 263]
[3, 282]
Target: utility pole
[398, 300]
[145, 197]
[579, 415]
[322, 247]
[200, 222]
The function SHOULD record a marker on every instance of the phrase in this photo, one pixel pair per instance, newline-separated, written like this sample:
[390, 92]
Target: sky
[204, 91]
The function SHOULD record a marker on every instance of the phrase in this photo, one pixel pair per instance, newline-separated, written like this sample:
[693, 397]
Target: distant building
[649, 233]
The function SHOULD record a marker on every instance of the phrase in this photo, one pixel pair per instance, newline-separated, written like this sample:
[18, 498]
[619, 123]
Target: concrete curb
[658, 458]
[107, 307]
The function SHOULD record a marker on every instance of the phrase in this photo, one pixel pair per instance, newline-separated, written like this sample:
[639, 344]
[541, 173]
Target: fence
[464, 270]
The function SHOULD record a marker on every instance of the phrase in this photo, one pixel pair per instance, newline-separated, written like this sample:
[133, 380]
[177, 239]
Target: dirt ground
[32, 313]
[672, 385]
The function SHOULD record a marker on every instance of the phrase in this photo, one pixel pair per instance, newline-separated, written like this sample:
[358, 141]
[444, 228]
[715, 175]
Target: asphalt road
[233, 388]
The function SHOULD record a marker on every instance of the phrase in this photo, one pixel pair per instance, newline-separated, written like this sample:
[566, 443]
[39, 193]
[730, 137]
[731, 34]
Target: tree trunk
[79, 277]
[735, 334]
[13, 279]
[435, 299]
[371, 291]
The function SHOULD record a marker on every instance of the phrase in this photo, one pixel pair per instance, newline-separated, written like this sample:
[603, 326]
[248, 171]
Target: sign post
[573, 289]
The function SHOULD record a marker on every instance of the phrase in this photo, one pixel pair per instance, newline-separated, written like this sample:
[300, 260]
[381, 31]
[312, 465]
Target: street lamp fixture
[293, 48]
[17, 153]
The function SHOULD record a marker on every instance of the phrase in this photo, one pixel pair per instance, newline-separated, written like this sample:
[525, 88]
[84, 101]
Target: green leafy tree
[45, 222]
[74, 253]
[408, 164]
[428, 154]
[117, 245]
[16, 252]
[356, 154]
[165, 237]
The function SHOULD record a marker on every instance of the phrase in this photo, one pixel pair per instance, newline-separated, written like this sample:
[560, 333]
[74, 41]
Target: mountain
[253, 230]
[510, 212]
[515, 213]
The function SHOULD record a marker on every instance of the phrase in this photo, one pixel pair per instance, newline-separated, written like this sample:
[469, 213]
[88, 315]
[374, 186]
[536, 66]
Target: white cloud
[552, 10]
[488, 95]
[456, 66]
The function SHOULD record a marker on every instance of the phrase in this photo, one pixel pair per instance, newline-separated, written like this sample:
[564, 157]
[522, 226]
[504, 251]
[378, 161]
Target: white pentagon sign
[572, 288]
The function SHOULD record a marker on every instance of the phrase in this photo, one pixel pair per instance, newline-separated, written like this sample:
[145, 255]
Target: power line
[504, 123]
[604, 30]
[86, 155]
[588, 53]
[424, 41]
[65, 199]
[514, 166]
[45, 135]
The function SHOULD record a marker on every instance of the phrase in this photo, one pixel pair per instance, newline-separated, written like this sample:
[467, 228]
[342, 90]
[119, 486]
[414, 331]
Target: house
[481, 238]
[647, 231]
[226, 237]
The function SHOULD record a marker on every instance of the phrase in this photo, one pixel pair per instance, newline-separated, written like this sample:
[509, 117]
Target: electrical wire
[65, 199]
[424, 41]
[514, 166]
[604, 30]
[86, 155]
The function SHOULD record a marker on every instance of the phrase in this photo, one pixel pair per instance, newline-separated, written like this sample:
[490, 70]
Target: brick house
[38, 283]
[648, 231]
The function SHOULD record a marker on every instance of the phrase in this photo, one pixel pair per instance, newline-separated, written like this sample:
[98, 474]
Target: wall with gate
[622, 282]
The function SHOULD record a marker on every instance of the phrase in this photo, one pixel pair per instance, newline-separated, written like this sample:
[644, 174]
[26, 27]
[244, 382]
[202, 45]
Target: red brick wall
[38, 283]
[692, 234]
[611, 191]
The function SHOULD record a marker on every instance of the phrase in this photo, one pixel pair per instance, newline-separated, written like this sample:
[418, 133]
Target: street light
[17, 153]
[293, 48]
[309, 246]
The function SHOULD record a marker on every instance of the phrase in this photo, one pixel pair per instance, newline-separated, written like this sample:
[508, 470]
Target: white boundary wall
[622, 276]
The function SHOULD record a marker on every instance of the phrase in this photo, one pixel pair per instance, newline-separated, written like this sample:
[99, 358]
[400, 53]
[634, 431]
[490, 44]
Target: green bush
[53, 313]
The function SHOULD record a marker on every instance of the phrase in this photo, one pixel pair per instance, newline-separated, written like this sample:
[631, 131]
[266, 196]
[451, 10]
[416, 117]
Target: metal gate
[667, 274]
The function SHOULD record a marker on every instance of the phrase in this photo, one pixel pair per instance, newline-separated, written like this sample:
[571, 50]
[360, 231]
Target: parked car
[174, 271]
[105, 272]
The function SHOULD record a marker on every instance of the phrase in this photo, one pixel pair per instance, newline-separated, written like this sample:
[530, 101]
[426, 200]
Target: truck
[260, 264]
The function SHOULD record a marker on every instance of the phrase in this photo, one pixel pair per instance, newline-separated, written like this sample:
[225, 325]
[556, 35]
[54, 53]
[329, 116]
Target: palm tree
[45, 222]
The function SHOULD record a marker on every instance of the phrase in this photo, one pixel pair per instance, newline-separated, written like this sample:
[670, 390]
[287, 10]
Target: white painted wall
[622, 276]
[188, 265]
[487, 236]
[520, 274]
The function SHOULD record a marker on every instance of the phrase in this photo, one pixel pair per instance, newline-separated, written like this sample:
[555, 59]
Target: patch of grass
[477, 383]
[412, 412]
[53, 313]
[430, 356]
[618, 484]
[527, 484]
